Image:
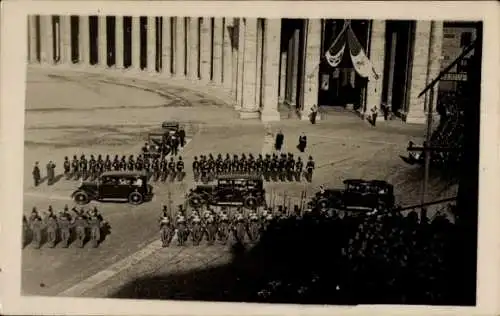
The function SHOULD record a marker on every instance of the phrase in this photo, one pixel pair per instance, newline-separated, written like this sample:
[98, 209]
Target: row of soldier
[85, 225]
[273, 167]
[156, 168]
[218, 225]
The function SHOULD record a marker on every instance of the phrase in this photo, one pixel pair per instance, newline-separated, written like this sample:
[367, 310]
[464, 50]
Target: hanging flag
[360, 61]
[335, 53]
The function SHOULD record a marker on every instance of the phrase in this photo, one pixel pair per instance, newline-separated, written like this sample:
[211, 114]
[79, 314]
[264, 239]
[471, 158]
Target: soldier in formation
[283, 167]
[85, 224]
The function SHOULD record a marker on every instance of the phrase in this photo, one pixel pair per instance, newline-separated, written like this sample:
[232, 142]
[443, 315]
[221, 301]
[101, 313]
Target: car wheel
[195, 201]
[135, 198]
[81, 198]
[323, 203]
[250, 202]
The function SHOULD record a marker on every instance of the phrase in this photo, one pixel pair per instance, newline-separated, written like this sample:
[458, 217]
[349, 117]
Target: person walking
[280, 139]
[302, 142]
[36, 174]
[314, 114]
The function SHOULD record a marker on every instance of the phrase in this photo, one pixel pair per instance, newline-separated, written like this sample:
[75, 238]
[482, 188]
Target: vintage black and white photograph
[330, 161]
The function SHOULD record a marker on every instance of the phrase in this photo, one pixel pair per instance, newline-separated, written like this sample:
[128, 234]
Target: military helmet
[66, 158]
[180, 158]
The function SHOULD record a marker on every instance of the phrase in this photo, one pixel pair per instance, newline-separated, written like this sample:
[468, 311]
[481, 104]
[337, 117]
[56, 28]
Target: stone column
[227, 53]
[311, 69]
[151, 43]
[416, 110]
[258, 80]
[241, 63]
[136, 43]
[282, 82]
[392, 61]
[46, 39]
[271, 73]
[119, 47]
[293, 67]
[103, 41]
[205, 49]
[84, 40]
[180, 52]
[249, 109]
[435, 52]
[377, 57]
[193, 37]
[32, 30]
[65, 26]
[166, 46]
[217, 58]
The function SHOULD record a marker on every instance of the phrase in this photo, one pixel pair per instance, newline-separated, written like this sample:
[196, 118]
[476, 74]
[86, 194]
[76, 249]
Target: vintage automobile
[131, 186]
[170, 126]
[246, 190]
[358, 194]
[155, 146]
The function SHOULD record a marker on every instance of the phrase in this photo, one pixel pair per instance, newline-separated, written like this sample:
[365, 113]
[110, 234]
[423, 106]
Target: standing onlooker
[182, 137]
[373, 116]
[50, 172]
[36, 174]
[280, 138]
[302, 142]
[314, 113]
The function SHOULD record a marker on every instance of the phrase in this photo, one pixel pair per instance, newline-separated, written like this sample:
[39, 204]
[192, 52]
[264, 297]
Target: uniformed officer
[171, 169]
[310, 166]
[51, 225]
[266, 167]
[95, 222]
[182, 137]
[147, 166]
[165, 227]
[36, 225]
[258, 165]
[92, 167]
[243, 164]
[180, 169]
[100, 165]
[36, 174]
[251, 164]
[196, 169]
[123, 163]
[219, 164]
[83, 167]
[51, 172]
[211, 167]
[302, 142]
[139, 163]
[299, 165]
[64, 223]
[175, 144]
[235, 165]
[164, 169]
[131, 163]
[75, 166]
[227, 164]
[156, 168]
[107, 163]
[290, 168]
[67, 168]
[275, 165]
[282, 167]
[80, 223]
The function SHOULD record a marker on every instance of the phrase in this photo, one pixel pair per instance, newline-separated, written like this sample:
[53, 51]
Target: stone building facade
[258, 63]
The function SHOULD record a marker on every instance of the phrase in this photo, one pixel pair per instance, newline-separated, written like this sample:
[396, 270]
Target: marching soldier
[290, 168]
[275, 167]
[266, 167]
[36, 174]
[156, 168]
[258, 165]
[36, 225]
[100, 165]
[205, 169]
[219, 164]
[116, 163]
[251, 163]
[165, 227]
[282, 167]
[243, 163]
[310, 166]
[123, 163]
[51, 224]
[25, 231]
[171, 169]
[175, 144]
[50, 172]
[83, 167]
[299, 165]
[95, 222]
[227, 164]
[67, 168]
[196, 169]
[75, 166]
[147, 167]
[80, 223]
[164, 169]
[139, 163]
[92, 167]
[131, 163]
[211, 166]
[64, 223]
[107, 164]
[235, 165]
[180, 169]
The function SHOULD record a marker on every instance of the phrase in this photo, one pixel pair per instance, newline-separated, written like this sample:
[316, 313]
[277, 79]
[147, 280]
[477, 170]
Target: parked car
[246, 190]
[357, 194]
[131, 186]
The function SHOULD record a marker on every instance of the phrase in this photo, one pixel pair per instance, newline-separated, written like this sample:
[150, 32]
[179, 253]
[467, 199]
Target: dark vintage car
[243, 190]
[115, 185]
[170, 126]
[357, 194]
[155, 146]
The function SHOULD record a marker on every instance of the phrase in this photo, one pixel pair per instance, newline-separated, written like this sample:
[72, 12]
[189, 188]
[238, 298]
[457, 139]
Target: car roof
[170, 124]
[123, 174]
[239, 176]
[373, 182]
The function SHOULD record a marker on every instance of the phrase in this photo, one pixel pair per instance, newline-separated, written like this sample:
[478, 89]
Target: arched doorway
[341, 85]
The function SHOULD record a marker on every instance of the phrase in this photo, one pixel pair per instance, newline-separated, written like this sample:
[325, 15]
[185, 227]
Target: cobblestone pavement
[77, 113]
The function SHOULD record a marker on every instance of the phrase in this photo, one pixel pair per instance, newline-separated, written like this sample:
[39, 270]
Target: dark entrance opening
[144, 41]
[75, 45]
[93, 39]
[398, 64]
[127, 41]
[159, 36]
[341, 85]
[110, 40]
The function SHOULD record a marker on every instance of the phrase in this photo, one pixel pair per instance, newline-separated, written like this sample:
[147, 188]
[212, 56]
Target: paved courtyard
[72, 113]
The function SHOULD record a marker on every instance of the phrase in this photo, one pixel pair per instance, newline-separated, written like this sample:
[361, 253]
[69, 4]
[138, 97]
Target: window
[465, 39]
